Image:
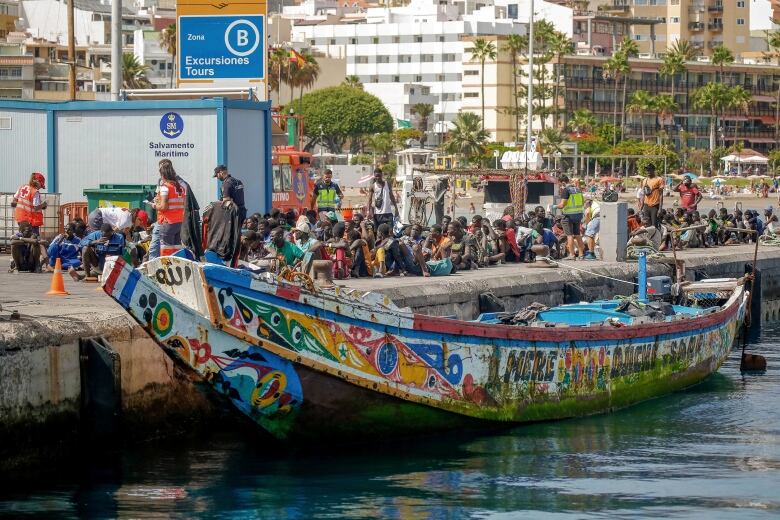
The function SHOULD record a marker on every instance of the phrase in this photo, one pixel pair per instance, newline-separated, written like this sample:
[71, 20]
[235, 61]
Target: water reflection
[712, 451]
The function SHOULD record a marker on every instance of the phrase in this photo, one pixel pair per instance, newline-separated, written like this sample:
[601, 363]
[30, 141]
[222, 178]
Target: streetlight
[496, 153]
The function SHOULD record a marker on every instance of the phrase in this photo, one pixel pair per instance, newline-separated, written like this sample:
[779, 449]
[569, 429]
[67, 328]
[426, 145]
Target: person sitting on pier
[27, 250]
[646, 235]
[287, 253]
[95, 248]
[461, 252]
[67, 248]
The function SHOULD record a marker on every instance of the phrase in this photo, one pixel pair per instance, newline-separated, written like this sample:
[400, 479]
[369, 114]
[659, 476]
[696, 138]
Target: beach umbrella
[605, 180]
[753, 177]
[691, 175]
[638, 177]
[717, 181]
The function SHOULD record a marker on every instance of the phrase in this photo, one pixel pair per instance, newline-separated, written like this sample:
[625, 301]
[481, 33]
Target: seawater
[712, 451]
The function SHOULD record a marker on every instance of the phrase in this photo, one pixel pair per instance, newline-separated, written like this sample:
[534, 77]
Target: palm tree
[641, 102]
[664, 106]
[672, 66]
[711, 97]
[611, 70]
[683, 49]
[306, 74]
[382, 145]
[722, 56]
[552, 141]
[739, 99]
[582, 121]
[515, 44]
[773, 42]
[278, 62]
[482, 51]
[168, 43]
[561, 45]
[628, 49]
[423, 111]
[467, 138]
[352, 81]
[133, 72]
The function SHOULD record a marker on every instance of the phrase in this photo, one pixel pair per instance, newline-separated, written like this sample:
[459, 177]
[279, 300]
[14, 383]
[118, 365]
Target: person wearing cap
[325, 193]
[27, 203]
[653, 191]
[381, 201]
[690, 196]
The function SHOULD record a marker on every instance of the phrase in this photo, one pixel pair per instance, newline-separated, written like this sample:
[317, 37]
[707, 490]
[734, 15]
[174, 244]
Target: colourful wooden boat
[337, 363]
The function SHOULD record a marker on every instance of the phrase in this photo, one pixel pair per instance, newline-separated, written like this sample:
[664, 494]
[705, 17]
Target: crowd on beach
[371, 243]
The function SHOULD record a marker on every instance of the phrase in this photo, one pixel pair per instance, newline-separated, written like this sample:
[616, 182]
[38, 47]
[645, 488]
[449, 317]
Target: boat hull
[343, 364]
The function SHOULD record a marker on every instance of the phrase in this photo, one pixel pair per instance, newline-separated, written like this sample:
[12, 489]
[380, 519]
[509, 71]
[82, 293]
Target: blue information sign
[221, 47]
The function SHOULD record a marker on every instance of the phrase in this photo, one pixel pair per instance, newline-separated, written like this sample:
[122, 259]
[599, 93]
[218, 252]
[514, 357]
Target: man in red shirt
[690, 196]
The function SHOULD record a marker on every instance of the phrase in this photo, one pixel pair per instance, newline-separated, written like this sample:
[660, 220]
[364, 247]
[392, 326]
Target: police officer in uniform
[572, 203]
[325, 193]
[232, 190]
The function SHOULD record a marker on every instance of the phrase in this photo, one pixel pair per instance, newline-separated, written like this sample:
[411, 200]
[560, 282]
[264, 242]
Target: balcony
[695, 26]
[715, 27]
[617, 6]
[715, 8]
[714, 43]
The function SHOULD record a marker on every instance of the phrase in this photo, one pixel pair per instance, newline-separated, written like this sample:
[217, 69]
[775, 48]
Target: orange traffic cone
[57, 287]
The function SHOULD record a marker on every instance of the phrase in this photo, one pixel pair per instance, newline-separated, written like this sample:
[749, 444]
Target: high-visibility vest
[574, 203]
[326, 197]
[25, 210]
[175, 212]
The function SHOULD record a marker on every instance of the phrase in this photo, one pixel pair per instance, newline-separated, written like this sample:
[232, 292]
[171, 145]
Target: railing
[716, 27]
[715, 8]
[655, 86]
[696, 26]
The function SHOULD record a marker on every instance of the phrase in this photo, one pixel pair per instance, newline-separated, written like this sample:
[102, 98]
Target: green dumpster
[120, 196]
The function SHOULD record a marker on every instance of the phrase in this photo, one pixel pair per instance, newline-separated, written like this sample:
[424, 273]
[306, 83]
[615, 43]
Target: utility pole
[71, 54]
[116, 48]
[530, 98]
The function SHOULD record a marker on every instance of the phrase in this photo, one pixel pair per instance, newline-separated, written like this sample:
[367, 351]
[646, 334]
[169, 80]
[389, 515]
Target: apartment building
[586, 88]
[705, 23]
[9, 13]
[17, 75]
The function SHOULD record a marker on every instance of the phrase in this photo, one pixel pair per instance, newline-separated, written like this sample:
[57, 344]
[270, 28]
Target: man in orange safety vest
[27, 203]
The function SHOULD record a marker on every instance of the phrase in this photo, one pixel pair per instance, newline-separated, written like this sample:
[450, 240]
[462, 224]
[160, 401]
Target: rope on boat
[559, 264]
[769, 240]
[632, 252]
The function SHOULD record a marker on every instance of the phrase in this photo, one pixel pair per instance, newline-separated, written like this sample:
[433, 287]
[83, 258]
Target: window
[740, 21]
[472, 72]
[470, 94]
[441, 38]
[405, 58]
[312, 42]
[418, 78]
[161, 66]
[5, 122]
[448, 57]
[396, 39]
[361, 59]
[383, 59]
[440, 77]
[353, 41]
[426, 58]
[375, 40]
[674, 19]
[333, 41]
[418, 39]
[740, 3]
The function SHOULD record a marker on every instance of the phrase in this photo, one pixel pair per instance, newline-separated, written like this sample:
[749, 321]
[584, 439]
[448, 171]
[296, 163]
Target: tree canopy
[343, 114]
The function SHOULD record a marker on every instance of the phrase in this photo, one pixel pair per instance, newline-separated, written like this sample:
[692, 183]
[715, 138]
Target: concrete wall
[23, 147]
[40, 388]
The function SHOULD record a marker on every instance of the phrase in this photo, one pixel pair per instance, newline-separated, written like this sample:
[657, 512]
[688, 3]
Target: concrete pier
[41, 367]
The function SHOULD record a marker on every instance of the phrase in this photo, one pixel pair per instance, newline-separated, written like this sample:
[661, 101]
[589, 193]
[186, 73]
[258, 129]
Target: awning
[767, 120]
[766, 99]
[734, 118]
[760, 139]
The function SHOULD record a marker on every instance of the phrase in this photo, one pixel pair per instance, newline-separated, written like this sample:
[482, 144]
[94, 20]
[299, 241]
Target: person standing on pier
[325, 193]
[690, 196]
[170, 205]
[381, 201]
[653, 189]
[27, 203]
[572, 203]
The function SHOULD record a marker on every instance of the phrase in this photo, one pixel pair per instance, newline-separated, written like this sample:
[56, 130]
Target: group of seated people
[696, 230]
[84, 245]
[358, 248]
